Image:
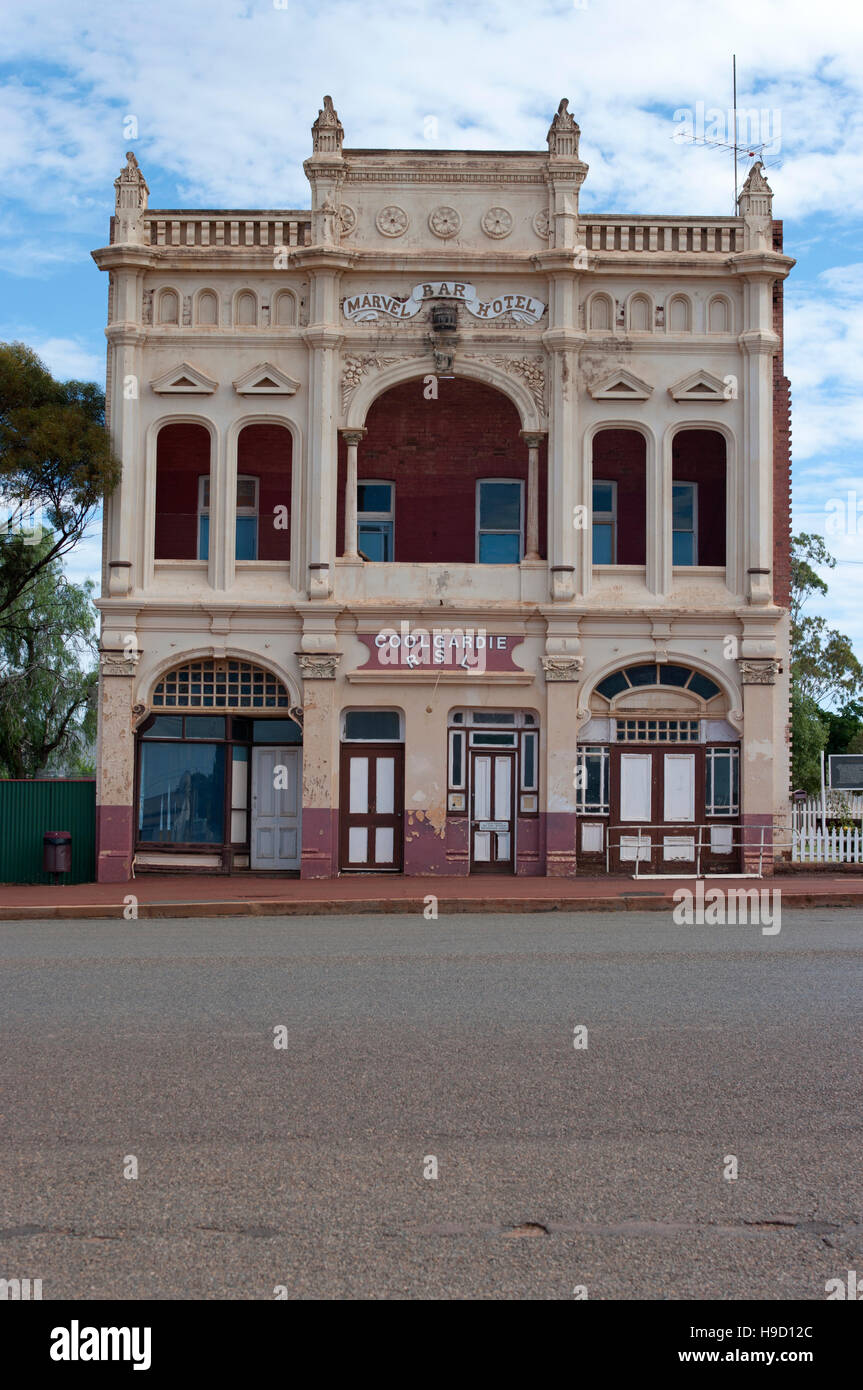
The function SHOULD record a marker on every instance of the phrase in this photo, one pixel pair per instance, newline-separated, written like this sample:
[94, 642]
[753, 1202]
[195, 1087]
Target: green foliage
[823, 665]
[56, 465]
[808, 737]
[48, 674]
[844, 728]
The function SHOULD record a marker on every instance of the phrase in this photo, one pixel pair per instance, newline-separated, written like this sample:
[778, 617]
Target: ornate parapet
[758, 671]
[562, 668]
[320, 667]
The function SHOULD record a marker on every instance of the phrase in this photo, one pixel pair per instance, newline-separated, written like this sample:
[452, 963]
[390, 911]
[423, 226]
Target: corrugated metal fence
[28, 809]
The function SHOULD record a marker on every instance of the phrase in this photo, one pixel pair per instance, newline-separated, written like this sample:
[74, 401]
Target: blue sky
[223, 94]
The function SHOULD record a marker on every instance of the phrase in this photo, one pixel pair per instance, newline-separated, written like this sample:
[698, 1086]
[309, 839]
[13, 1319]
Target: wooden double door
[371, 798]
[492, 811]
[658, 814]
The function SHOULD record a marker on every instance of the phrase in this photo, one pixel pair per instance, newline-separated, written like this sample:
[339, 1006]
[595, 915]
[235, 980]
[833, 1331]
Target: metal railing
[750, 839]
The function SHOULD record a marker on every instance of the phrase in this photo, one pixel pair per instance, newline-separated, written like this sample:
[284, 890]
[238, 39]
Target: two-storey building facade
[453, 530]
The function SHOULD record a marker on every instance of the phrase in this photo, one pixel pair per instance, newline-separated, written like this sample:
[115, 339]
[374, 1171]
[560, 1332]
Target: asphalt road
[303, 1167]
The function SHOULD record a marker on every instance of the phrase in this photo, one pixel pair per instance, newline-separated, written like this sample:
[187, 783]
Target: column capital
[353, 436]
[321, 666]
[562, 668]
[758, 672]
[533, 438]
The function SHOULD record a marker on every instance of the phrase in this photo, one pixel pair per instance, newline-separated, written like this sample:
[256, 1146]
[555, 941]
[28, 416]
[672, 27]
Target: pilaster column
[533, 440]
[320, 853]
[115, 767]
[562, 674]
[757, 751]
[352, 440]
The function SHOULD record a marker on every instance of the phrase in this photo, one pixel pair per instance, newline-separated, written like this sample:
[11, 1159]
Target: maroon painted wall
[620, 456]
[264, 452]
[434, 452]
[182, 455]
[698, 456]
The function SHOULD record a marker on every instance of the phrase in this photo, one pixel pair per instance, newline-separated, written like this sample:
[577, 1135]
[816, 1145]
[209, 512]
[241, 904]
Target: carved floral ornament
[761, 671]
[320, 666]
[562, 668]
[392, 221]
[445, 222]
[497, 223]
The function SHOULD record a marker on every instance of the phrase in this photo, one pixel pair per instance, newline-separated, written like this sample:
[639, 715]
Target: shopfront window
[182, 793]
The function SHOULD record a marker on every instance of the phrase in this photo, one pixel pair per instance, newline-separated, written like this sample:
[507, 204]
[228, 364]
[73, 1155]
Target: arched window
[679, 314]
[719, 315]
[169, 307]
[208, 309]
[285, 315]
[223, 685]
[657, 673]
[600, 312]
[247, 309]
[640, 314]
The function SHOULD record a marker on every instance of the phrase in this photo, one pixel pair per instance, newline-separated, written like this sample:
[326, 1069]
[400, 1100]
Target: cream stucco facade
[637, 362]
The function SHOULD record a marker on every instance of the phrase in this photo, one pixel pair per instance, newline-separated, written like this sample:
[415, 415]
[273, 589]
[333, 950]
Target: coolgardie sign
[360, 308]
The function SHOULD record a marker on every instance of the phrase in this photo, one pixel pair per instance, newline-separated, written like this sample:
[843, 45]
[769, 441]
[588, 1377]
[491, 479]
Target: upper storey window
[499, 521]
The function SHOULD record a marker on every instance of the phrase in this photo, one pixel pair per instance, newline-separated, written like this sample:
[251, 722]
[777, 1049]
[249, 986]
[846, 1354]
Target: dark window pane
[721, 777]
[683, 548]
[374, 497]
[674, 675]
[641, 675]
[375, 540]
[492, 717]
[247, 538]
[375, 725]
[682, 506]
[603, 497]
[276, 731]
[499, 550]
[241, 728]
[481, 739]
[612, 685]
[593, 780]
[457, 755]
[529, 761]
[204, 726]
[500, 506]
[703, 686]
[603, 543]
[203, 538]
[165, 726]
[182, 792]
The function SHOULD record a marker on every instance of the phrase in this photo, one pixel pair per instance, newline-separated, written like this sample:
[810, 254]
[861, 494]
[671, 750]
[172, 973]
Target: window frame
[603, 806]
[605, 519]
[677, 531]
[712, 752]
[244, 511]
[385, 520]
[480, 530]
[371, 709]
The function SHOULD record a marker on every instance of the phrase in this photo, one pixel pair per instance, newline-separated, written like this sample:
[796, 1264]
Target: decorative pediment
[699, 386]
[184, 380]
[265, 380]
[621, 386]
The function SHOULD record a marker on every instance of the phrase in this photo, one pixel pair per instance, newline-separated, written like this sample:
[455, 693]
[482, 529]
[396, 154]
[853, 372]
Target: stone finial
[130, 202]
[328, 133]
[563, 132]
[756, 195]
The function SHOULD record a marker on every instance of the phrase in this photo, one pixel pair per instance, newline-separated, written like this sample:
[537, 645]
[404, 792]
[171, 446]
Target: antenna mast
[734, 138]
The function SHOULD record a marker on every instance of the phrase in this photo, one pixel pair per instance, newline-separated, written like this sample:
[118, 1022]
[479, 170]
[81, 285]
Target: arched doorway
[444, 479]
[659, 773]
[219, 770]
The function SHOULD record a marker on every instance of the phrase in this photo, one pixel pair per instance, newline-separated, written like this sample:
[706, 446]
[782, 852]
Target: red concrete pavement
[201, 895]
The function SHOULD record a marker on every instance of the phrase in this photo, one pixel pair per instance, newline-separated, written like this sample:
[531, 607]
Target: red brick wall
[183, 455]
[698, 456]
[434, 452]
[620, 456]
[781, 452]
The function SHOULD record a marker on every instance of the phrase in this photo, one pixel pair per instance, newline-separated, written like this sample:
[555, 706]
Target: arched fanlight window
[657, 673]
[226, 684]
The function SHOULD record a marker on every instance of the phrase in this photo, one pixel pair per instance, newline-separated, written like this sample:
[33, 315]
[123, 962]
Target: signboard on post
[845, 773]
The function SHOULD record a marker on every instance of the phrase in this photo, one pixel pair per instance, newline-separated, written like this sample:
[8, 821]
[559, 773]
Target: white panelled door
[276, 808]
[492, 812]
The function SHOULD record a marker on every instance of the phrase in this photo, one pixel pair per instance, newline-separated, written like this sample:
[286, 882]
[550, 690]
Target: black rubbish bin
[57, 852]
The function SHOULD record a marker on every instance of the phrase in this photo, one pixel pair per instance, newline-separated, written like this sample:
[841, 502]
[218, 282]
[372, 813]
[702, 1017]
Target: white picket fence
[842, 844]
